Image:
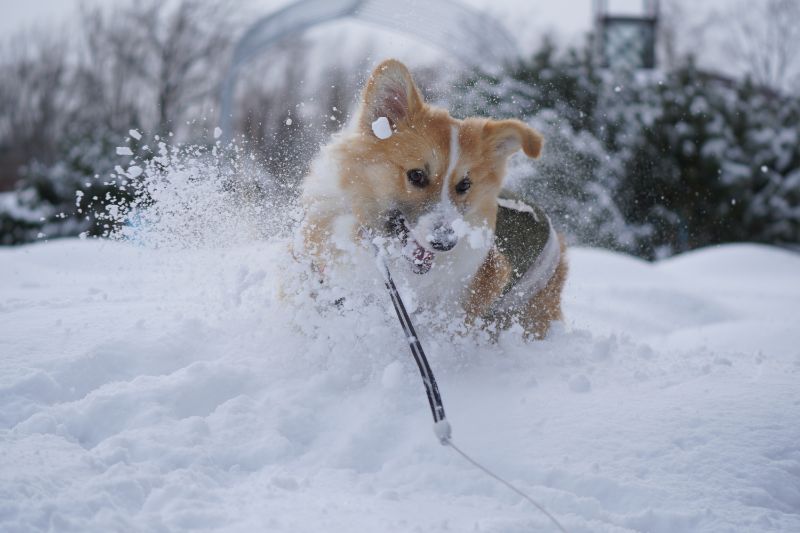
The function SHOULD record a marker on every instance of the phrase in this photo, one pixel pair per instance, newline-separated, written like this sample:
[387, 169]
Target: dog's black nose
[443, 238]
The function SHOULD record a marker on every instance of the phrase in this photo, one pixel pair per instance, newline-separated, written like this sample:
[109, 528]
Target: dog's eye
[463, 185]
[417, 177]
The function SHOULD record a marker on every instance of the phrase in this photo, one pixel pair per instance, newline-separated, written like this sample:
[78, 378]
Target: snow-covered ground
[171, 390]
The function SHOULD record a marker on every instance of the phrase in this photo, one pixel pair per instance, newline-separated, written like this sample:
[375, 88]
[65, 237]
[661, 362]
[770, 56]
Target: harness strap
[536, 278]
[525, 235]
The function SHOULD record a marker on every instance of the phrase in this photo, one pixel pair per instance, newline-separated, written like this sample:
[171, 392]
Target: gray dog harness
[525, 236]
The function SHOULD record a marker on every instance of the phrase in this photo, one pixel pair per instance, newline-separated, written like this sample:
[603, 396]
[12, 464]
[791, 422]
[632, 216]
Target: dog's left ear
[508, 136]
[390, 93]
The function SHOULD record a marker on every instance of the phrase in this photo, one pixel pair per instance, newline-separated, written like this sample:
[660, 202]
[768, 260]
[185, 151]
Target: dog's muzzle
[443, 238]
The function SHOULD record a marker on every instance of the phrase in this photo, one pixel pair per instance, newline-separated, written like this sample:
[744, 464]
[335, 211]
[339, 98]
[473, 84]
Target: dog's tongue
[421, 260]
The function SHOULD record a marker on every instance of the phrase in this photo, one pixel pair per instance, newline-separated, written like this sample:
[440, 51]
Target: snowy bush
[708, 161]
[62, 198]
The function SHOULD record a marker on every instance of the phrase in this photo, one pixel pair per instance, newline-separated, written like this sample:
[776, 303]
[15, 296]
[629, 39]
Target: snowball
[392, 376]
[124, 150]
[217, 132]
[381, 128]
[135, 134]
[288, 122]
[286, 483]
[134, 171]
[580, 384]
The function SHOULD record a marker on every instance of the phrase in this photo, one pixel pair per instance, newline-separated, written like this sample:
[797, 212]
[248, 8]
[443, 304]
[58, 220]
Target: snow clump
[381, 128]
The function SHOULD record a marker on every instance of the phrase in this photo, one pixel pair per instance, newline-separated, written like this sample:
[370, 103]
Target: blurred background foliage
[652, 163]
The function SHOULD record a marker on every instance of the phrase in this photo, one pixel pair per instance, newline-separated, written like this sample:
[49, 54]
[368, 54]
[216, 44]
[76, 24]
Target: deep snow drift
[160, 390]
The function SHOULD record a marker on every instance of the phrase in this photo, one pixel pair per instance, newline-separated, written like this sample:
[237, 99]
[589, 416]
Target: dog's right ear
[390, 93]
[508, 136]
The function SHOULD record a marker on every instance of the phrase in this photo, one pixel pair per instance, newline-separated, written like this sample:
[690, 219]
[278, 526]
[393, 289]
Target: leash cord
[488, 472]
[441, 425]
[431, 388]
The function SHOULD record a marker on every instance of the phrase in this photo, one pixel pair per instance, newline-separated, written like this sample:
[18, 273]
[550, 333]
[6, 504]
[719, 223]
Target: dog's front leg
[317, 232]
[487, 285]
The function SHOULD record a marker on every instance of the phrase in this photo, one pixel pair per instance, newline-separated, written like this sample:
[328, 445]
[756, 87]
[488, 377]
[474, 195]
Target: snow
[134, 171]
[381, 128]
[150, 389]
[124, 150]
[135, 134]
[11, 205]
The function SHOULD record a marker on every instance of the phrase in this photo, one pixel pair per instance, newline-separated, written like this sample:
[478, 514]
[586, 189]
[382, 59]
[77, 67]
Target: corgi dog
[411, 174]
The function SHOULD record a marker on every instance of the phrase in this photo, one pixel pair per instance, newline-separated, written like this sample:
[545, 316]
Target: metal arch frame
[489, 41]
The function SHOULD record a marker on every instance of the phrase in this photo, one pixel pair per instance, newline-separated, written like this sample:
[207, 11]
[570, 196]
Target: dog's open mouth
[421, 258]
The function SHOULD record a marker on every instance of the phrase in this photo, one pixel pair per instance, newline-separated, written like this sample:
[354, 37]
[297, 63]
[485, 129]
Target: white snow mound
[170, 389]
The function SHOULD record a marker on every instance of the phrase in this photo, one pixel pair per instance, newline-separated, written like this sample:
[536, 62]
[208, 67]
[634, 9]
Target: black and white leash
[441, 426]
[440, 423]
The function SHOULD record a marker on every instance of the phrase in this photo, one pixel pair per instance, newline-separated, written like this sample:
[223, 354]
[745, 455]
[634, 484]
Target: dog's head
[416, 173]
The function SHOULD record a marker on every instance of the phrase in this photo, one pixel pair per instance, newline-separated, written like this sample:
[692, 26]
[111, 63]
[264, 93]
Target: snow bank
[146, 389]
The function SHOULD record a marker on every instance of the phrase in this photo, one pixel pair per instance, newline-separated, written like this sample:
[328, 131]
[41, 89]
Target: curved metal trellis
[469, 35]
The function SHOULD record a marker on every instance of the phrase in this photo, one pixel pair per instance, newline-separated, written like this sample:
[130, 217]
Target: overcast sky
[566, 16]
[19, 14]
[527, 20]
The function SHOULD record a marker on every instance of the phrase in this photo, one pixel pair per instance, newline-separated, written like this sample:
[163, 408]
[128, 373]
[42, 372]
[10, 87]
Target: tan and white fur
[431, 183]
